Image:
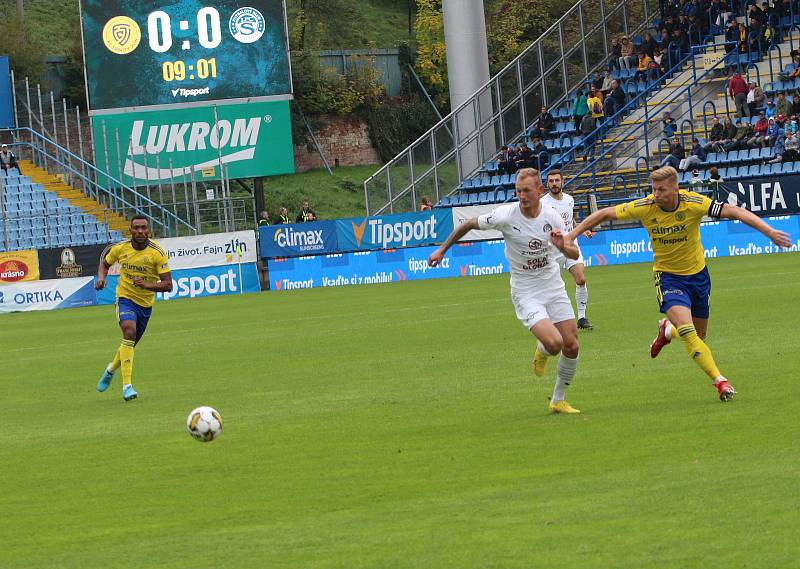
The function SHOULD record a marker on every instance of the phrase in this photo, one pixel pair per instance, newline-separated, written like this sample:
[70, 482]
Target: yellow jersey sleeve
[162, 262]
[113, 254]
[637, 209]
[698, 205]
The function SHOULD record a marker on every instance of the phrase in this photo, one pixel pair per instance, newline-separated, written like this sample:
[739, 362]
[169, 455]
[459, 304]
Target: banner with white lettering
[393, 231]
[47, 295]
[210, 250]
[764, 196]
[296, 239]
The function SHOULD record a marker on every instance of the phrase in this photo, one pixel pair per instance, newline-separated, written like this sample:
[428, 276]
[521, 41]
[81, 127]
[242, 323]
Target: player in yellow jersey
[672, 218]
[144, 271]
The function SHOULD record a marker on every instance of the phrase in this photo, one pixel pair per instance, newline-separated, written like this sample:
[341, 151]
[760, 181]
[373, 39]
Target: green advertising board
[249, 140]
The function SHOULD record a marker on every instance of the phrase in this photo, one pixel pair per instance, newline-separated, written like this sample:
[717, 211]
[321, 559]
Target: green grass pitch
[399, 426]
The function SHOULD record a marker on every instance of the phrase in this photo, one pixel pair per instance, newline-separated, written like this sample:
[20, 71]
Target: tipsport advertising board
[391, 231]
[198, 282]
[387, 266]
[250, 140]
[141, 53]
[477, 258]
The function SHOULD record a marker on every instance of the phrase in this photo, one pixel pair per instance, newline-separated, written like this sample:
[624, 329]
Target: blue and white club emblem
[246, 25]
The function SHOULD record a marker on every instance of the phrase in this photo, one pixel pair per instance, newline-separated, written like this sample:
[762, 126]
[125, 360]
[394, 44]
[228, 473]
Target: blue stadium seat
[500, 195]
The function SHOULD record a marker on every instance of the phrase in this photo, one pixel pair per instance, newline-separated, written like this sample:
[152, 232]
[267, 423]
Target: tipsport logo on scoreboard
[249, 140]
[156, 53]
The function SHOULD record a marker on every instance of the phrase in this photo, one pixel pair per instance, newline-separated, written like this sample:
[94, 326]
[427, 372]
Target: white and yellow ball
[204, 424]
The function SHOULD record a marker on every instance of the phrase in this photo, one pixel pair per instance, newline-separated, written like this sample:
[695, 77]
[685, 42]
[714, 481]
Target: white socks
[668, 330]
[543, 350]
[581, 299]
[564, 374]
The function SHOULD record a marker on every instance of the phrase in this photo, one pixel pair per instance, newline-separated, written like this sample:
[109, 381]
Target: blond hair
[664, 173]
[528, 173]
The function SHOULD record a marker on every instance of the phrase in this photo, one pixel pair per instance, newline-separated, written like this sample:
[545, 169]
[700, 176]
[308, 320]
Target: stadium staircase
[693, 91]
[55, 184]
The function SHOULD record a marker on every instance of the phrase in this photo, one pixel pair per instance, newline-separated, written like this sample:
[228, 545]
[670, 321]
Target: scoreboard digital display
[154, 53]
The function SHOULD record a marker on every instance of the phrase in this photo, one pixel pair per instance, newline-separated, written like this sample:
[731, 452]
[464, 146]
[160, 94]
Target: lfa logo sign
[765, 197]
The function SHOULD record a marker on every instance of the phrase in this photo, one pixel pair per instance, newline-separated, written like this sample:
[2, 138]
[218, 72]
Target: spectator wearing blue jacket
[697, 155]
[774, 131]
[770, 110]
[669, 125]
[780, 149]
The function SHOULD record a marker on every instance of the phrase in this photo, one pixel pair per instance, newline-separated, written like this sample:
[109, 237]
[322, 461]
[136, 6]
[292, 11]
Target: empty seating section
[36, 219]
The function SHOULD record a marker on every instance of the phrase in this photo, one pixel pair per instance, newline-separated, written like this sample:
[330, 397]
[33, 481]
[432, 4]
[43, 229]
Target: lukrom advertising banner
[764, 196]
[297, 239]
[17, 266]
[250, 140]
[390, 231]
[47, 295]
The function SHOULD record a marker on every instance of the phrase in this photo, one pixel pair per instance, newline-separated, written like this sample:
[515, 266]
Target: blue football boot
[129, 393]
[105, 380]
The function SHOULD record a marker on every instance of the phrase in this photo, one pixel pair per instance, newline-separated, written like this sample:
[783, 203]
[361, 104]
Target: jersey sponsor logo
[135, 268]
[535, 245]
[547, 227]
[669, 230]
[680, 216]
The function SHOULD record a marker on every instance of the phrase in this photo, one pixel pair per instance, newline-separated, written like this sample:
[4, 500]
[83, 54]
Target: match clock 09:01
[192, 47]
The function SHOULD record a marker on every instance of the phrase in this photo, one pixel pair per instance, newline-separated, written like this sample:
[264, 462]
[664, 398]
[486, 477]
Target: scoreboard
[157, 53]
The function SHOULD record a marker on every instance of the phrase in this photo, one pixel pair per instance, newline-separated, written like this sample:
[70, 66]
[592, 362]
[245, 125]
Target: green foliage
[393, 125]
[431, 62]
[24, 51]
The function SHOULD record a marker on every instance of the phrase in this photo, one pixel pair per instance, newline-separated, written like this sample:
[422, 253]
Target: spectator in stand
[796, 104]
[615, 52]
[545, 124]
[628, 58]
[597, 81]
[781, 121]
[714, 136]
[720, 13]
[660, 62]
[643, 67]
[540, 158]
[426, 204]
[791, 125]
[714, 180]
[779, 146]
[697, 155]
[681, 38]
[744, 131]
[263, 219]
[782, 107]
[306, 214]
[696, 183]
[649, 45]
[8, 160]
[733, 37]
[580, 108]
[670, 127]
[615, 100]
[756, 36]
[770, 110]
[666, 38]
[507, 162]
[669, 23]
[756, 99]
[588, 124]
[773, 132]
[737, 90]
[755, 13]
[605, 89]
[792, 145]
[773, 21]
[676, 154]
[283, 217]
[595, 103]
[523, 156]
[758, 140]
[728, 134]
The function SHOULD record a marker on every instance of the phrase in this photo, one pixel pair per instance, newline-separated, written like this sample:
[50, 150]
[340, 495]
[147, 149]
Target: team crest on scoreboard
[246, 25]
[121, 35]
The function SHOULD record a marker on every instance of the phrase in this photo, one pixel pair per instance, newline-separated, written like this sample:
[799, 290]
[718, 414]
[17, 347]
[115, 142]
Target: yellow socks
[125, 356]
[115, 363]
[698, 350]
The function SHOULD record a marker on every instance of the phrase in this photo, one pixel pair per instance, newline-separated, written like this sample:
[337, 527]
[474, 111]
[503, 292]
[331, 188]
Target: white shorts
[566, 263]
[532, 307]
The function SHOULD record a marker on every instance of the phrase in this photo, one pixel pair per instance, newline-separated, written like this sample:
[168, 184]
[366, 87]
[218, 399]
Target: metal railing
[545, 73]
[94, 183]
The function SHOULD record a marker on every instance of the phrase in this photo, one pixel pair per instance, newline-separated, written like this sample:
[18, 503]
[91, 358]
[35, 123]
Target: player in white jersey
[534, 237]
[564, 204]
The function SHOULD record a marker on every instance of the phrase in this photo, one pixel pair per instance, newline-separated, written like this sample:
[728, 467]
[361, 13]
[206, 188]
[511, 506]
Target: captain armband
[715, 210]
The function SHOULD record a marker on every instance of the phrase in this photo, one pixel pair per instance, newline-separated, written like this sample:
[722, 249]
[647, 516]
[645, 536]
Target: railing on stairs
[545, 73]
[95, 184]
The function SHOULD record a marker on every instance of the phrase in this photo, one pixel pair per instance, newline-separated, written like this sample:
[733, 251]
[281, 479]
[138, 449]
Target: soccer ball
[204, 424]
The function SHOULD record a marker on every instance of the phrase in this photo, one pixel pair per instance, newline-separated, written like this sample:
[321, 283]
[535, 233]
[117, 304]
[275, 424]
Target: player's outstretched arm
[459, 232]
[778, 237]
[570, 250]
[590, 222]
[102, 271]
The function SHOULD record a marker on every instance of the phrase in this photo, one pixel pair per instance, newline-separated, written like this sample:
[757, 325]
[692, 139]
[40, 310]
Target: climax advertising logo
[310, 240]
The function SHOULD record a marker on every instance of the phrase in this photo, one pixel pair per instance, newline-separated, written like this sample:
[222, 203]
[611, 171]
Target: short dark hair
[555, 172]
[140, 216]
